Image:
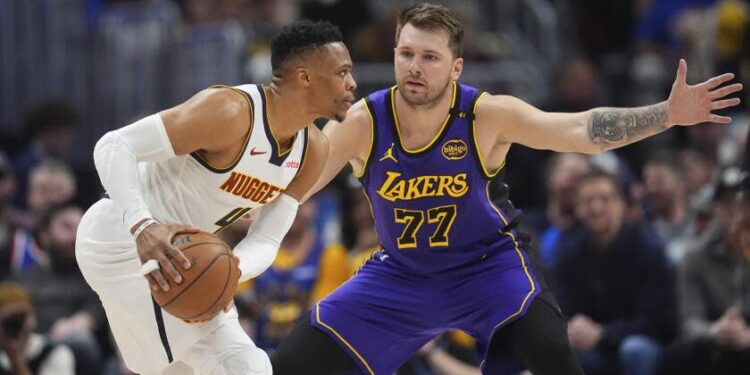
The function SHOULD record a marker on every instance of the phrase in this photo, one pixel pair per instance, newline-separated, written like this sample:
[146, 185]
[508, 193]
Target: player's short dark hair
[301, 38]
[433, 17]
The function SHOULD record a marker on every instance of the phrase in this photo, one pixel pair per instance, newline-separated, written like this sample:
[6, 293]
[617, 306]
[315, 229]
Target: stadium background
[73, 69]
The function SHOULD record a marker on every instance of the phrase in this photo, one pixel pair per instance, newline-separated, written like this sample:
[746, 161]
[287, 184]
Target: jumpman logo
[389, 154]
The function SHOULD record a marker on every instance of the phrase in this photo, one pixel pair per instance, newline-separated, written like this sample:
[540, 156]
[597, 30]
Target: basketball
[208, 286]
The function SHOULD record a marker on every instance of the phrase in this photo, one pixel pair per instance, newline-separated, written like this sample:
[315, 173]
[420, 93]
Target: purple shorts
[385, 313]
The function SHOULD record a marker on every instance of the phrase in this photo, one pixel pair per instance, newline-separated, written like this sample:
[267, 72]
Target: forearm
[611, 128]
[258, 250]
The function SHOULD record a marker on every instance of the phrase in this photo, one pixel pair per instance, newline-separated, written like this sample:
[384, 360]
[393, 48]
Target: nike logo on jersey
[253, 152]
[389, 154]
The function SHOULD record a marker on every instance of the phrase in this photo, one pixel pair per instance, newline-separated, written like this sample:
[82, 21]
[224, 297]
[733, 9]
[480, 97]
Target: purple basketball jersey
[432, 206]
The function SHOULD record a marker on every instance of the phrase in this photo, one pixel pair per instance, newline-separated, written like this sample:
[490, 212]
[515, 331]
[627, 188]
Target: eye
[430, 57]
[406, 54]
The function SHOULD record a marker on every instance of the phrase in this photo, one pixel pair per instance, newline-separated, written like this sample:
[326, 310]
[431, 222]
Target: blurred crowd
[637, 244]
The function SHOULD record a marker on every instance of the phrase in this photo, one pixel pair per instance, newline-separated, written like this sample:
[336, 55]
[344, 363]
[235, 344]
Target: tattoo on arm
[622, 126]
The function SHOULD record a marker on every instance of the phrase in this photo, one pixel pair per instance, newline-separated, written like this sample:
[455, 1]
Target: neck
[285, 116]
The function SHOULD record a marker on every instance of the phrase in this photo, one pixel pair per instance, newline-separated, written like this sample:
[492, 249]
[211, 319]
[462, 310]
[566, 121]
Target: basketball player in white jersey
[204, 164]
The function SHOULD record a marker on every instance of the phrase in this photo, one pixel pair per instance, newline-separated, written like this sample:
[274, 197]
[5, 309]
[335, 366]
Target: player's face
[600, 207]
[424, 64]
[334, 91]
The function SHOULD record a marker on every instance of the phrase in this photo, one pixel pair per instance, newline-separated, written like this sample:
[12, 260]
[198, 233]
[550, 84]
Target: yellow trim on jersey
[372, 142]
[198, 155]
[487, 190]
[523, 265]
[437, 135]
[270, 131]
[348, 345]
[487, 173]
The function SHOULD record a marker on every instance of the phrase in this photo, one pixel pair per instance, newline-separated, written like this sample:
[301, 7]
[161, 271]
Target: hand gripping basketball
[154, 244]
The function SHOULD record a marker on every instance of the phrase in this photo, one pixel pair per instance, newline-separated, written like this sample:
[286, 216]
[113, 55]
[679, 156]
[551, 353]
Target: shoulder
[354, 129]
[499, 104]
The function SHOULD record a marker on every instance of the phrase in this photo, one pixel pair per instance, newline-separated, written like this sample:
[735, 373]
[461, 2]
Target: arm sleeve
[116, 156]
[258, 249]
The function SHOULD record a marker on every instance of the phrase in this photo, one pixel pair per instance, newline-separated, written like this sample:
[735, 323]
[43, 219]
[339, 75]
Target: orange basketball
[208, 286]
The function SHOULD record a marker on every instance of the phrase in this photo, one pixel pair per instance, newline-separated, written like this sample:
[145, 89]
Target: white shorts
[152, 341]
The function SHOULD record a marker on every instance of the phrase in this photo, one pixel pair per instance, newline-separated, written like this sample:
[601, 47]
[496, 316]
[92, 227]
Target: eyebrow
[434, 52]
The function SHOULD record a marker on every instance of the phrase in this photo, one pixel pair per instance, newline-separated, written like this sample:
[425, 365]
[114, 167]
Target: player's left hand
[693, 104]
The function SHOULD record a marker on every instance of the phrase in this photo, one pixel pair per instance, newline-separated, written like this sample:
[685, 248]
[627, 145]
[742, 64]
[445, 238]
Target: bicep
[211, 120]
[525, 124]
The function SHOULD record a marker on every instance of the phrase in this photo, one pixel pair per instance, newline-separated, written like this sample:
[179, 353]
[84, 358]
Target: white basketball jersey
[187, 189]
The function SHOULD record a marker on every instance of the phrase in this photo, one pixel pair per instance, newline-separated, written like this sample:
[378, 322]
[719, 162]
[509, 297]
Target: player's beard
[427, 98]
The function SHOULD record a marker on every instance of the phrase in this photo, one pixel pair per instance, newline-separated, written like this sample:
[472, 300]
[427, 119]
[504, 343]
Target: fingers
[721, 104]
[719, 119]
[682, 72]
[179, 257]
[157, 278]
[718, 80]
[168, 267]
[178, 228]
[724, 91]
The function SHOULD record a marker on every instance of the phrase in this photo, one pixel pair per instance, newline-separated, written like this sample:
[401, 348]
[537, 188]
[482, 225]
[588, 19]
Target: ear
[458, 67]
[303, 77]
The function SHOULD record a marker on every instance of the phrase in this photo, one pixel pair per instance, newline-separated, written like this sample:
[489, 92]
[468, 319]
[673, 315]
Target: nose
[351, 84]
[414, 69]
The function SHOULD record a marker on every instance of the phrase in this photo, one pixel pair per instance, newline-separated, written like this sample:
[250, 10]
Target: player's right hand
[155, 242]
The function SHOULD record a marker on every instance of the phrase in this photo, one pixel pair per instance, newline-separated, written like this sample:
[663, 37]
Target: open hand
[155, 242]
[693, 104]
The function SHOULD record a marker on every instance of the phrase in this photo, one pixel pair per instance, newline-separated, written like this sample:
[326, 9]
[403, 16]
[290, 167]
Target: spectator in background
[51, 182]
[50, 128]
[22, 351]
[67, 309]
[563, 172]
[613, 283]
[666, 204]
[699, 171]
[714, 298]
[10, 218]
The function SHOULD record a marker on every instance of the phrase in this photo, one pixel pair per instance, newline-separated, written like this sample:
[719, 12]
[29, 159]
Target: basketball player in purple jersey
[426, 151]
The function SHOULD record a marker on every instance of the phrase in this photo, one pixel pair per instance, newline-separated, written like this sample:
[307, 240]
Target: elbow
[102, 149]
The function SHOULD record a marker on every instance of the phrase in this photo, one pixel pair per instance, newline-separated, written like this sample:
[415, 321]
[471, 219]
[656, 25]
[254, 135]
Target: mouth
[414, 84]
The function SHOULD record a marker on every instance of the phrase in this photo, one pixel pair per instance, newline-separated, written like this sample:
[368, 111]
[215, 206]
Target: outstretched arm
[603, 128]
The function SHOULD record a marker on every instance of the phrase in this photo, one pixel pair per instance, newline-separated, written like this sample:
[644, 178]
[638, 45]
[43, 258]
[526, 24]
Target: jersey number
[443, 216]
[230, 218]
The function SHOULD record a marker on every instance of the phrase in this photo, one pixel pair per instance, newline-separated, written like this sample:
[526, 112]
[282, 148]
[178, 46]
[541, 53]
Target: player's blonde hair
[433, 17]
